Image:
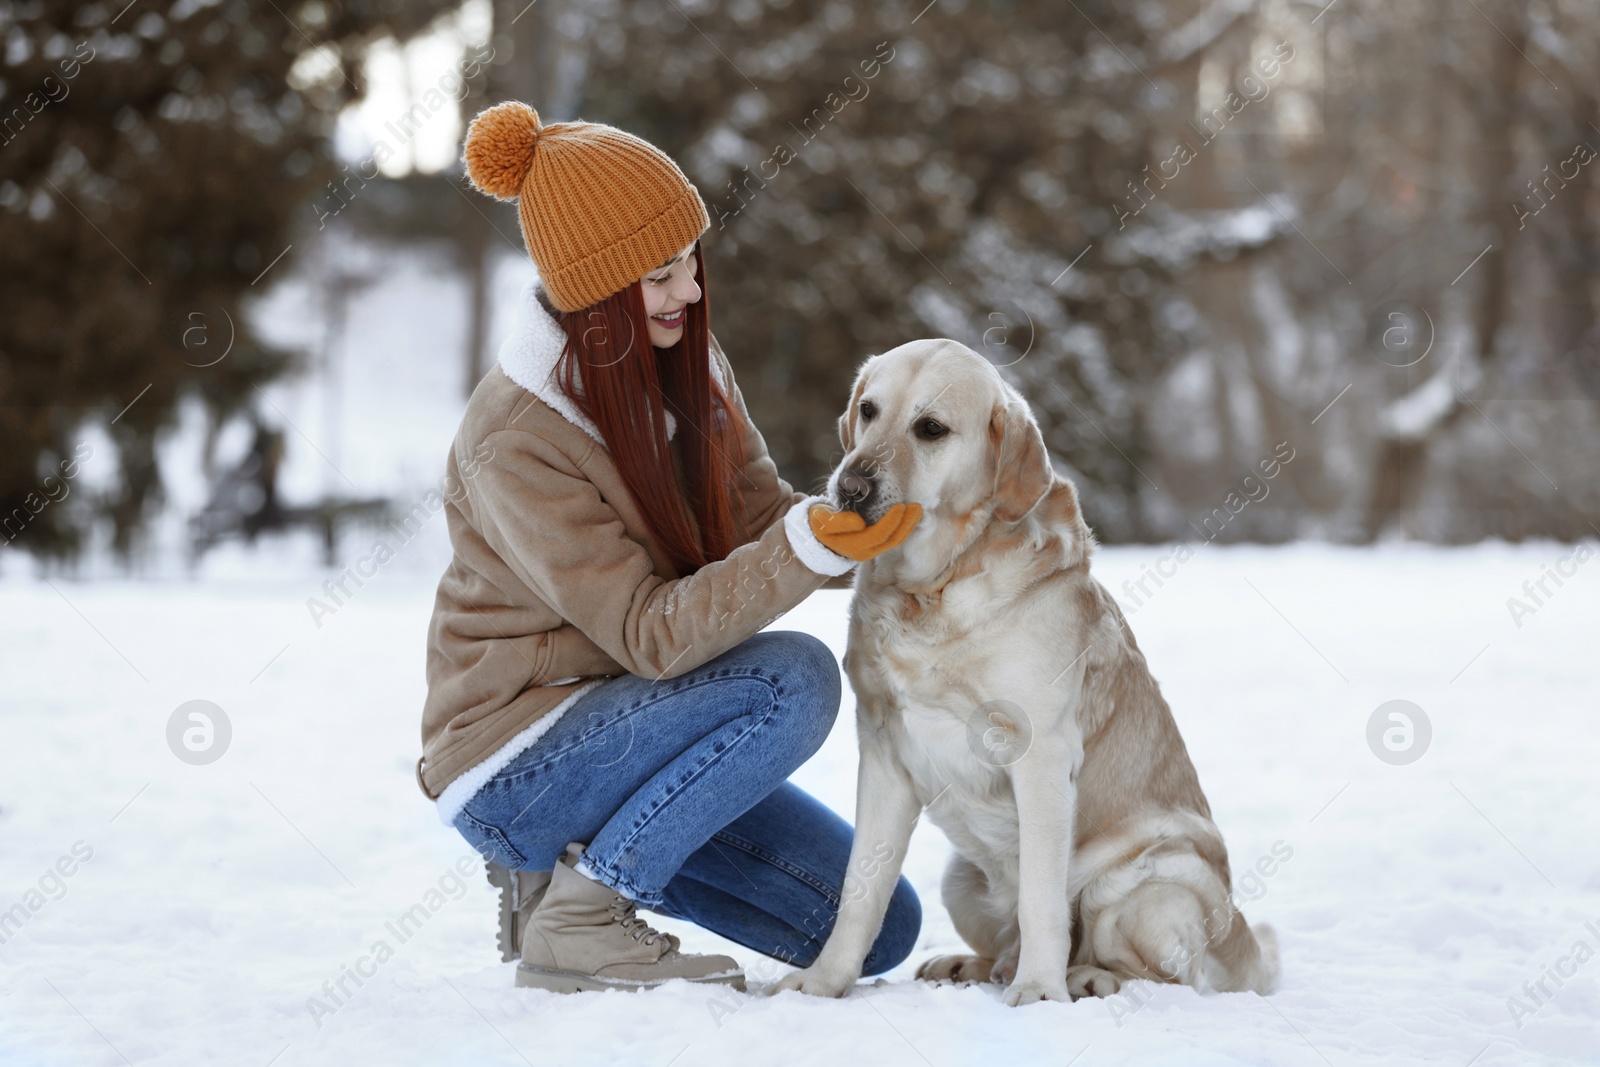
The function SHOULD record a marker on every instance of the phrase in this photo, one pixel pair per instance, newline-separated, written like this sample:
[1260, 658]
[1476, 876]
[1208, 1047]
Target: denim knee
[809, 678]
[902, 924]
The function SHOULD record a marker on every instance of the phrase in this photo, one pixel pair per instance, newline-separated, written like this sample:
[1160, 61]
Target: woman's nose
[687, 291]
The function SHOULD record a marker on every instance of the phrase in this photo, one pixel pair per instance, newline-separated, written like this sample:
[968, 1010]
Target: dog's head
[933, 422]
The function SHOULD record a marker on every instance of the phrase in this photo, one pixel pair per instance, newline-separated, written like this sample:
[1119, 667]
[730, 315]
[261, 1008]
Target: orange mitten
[848, 534]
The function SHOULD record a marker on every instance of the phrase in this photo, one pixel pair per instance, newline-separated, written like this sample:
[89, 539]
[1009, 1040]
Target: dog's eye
[931, 429]
[868, 410]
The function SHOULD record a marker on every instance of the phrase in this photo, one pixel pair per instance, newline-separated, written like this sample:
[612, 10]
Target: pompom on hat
[600, 208]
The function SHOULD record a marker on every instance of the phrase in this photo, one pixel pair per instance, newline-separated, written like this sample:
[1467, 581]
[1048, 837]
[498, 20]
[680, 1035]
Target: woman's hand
[848, 534]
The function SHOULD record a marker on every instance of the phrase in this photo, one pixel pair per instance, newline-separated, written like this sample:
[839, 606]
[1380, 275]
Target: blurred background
[245, 288]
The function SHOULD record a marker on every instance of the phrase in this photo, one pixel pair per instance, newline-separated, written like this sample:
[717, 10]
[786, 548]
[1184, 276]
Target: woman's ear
[1022, 474]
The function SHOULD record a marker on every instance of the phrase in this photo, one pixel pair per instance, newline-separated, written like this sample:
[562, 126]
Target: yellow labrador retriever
[999, 688]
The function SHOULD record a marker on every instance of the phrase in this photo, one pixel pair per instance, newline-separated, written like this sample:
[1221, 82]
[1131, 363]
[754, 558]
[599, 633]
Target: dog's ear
[1022, 474]
[847, 421]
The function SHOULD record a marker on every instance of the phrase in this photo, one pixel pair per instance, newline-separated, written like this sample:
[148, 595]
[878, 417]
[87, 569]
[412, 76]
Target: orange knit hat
[600, 208]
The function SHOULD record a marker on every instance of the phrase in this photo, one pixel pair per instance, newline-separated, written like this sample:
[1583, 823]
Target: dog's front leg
[886, 812]
[1044, 782]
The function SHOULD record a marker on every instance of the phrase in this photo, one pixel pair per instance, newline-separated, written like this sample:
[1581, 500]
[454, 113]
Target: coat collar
[529, 355]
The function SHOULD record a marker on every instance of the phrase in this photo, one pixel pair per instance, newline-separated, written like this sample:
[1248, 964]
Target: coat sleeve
[539, 512]
[767, 497]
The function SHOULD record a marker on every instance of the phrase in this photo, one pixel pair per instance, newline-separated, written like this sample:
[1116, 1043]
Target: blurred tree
[151, 157]
[1424, 335]
[536, 63]
[1447, 180]
[877, 173]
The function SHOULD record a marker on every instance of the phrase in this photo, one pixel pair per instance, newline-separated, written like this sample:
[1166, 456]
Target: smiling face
[932, 422]
[668, 290]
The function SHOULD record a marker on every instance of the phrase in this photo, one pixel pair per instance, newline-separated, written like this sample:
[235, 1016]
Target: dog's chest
[952, 727]
[962, 784]
[924, 655]
[944, 654]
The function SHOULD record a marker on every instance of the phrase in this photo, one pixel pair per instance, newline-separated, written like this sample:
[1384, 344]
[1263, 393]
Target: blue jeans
[678, 788]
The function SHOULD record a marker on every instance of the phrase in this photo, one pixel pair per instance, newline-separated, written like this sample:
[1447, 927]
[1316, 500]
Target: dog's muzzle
[854, 487]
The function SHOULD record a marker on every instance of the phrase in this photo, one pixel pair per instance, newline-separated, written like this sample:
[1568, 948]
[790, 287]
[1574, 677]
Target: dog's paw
[1091, 982]
[816, 982]
[956, 969]
[1031, 991]
[1004, 968]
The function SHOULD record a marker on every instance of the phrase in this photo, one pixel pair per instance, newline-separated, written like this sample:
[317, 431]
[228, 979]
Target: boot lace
[624, 913]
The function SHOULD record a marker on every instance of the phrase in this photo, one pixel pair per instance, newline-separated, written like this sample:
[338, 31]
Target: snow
[220, 898]
[1177, 238]
[1414, 416]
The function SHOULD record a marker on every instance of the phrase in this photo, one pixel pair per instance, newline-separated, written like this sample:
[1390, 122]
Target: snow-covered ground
[208, 904]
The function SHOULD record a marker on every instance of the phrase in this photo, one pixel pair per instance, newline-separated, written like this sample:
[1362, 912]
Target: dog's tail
[1246, 960]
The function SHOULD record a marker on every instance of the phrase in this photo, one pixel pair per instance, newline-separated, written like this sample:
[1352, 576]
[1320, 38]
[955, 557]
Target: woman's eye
[868, 410]
[929, 429]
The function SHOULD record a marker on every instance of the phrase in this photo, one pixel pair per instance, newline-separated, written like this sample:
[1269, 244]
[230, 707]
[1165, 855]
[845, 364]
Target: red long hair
[628, 385]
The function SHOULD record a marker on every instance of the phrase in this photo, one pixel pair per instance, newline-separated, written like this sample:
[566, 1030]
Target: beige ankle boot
[585, 936]
[520, 893]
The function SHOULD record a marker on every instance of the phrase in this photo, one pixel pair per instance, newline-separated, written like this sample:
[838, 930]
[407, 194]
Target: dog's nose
[854, 487]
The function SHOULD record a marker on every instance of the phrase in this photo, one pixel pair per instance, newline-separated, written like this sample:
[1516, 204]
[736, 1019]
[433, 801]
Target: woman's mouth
[672, 321]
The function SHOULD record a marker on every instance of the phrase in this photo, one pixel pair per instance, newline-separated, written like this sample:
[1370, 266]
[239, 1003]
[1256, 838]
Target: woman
[603, 717]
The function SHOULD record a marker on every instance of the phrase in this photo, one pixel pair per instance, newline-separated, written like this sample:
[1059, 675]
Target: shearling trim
[812, 552]
[529, 355]
[466, 785]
